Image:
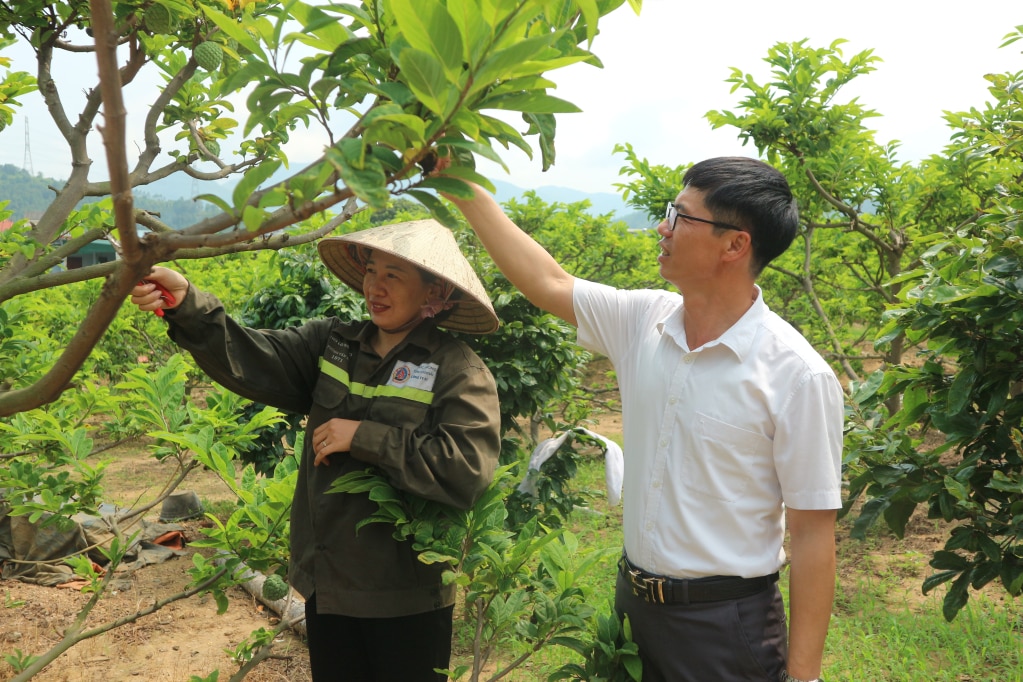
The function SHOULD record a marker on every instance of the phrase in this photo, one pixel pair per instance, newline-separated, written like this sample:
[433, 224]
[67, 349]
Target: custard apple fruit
[158, 19]
[209, 55]
[275, 588]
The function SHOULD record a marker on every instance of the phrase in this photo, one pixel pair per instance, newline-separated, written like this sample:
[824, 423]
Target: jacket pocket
[398, 412]
[329, 393]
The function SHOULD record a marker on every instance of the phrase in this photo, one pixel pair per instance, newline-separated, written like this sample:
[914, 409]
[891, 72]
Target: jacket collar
[426, 335]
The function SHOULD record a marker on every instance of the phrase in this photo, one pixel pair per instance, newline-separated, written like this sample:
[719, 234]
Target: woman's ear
[434, 290]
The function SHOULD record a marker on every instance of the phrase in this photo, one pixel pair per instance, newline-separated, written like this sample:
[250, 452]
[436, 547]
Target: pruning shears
[165, 295]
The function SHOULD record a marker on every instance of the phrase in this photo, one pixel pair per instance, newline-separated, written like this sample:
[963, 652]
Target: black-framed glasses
[671, 214]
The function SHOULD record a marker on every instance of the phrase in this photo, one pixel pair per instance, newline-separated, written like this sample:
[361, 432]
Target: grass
[882, 627]
[910, 643]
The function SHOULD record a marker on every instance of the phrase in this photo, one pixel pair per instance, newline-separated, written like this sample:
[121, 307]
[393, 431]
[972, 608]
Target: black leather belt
[658, 589]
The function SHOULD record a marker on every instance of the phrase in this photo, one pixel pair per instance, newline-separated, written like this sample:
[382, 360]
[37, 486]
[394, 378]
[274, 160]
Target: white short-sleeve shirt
[717, 439]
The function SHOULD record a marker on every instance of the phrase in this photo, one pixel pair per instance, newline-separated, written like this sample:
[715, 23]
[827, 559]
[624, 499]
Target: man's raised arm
[526, 264]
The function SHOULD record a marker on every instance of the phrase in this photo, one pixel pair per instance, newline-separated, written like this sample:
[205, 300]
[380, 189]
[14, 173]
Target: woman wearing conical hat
[394, 392]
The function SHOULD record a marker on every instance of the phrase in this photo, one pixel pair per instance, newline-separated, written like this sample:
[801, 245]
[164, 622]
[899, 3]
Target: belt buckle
[653, 588]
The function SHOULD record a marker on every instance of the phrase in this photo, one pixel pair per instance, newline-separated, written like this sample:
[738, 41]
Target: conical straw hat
[428, 245]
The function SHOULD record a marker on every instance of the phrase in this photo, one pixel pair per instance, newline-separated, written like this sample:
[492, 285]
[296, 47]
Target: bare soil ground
[183, 639]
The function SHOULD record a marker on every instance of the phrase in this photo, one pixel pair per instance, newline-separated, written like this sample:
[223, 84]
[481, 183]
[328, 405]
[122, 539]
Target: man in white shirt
[732, 426]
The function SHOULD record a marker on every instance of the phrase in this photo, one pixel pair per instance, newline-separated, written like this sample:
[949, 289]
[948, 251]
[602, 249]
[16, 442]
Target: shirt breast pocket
[724, 460]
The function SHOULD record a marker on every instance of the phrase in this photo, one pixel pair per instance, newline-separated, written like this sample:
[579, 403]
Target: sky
[666, 68]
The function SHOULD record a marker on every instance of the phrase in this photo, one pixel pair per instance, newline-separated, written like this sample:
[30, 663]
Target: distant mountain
[30, 195]
[601, 203]
[174, 196]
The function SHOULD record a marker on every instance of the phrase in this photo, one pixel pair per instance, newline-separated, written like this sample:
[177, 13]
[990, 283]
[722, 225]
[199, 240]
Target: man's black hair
[752, 195]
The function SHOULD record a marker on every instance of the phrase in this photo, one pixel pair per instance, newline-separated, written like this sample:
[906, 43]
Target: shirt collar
[739, 337]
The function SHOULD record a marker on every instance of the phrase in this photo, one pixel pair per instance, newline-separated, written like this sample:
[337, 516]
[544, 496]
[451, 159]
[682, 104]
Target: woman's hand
[334, 435]
[148, 295]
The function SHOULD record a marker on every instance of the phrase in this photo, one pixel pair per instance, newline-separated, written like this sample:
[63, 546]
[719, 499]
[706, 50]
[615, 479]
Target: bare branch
[806, 281]
[857, 224]
[71, 47]
[152, 149]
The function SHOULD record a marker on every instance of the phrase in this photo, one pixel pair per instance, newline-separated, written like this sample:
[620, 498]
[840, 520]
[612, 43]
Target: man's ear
[740, 244]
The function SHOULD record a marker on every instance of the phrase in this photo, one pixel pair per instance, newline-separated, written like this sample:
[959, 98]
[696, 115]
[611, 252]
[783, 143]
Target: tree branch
[857, 224]
[113, 130]
[152, 149]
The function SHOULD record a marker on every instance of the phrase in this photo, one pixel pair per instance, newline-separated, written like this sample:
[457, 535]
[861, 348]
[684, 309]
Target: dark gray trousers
[739, 640]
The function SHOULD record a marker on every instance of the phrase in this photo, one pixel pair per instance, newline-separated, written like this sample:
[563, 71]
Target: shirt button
[689, 359]
[672, 400]
[657, 483]
[649, 525]
[663, 443]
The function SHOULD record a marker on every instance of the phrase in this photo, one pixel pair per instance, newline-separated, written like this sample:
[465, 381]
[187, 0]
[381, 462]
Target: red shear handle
[164, 295]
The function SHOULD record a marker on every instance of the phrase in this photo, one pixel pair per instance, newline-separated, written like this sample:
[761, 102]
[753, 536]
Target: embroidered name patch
[408, 375]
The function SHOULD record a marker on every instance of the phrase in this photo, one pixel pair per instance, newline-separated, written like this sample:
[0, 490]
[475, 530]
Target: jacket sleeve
[450, 457]
[275, 367]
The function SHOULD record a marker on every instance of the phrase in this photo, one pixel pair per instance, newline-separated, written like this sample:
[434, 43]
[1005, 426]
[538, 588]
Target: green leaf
[233, 29]
[897, 516]
[592, 15]
[252, 218]
[361, 172]
[252, 179]
[949, 561]
[425, 77]
[484, 150]
[633, 664]
[872, 509]
[999, 481]
[530, 102]
[960, 393]
[427, 26]
[415, 125]
[497, 65]
[932, 581]
[958, 490]
[436, 207]
[452, 186]
[956, 597]
[470, 175]
[984, 573]
[328, 31]
[543, 125]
